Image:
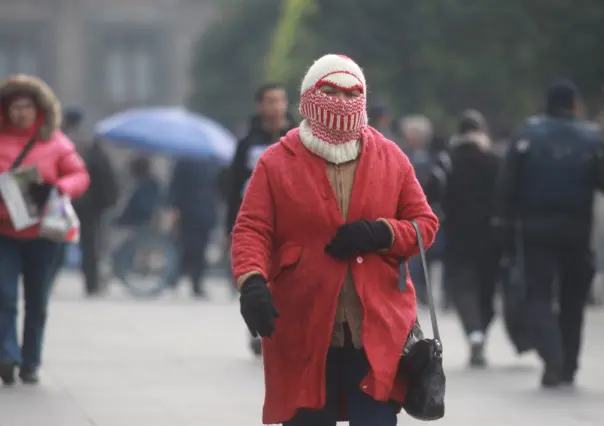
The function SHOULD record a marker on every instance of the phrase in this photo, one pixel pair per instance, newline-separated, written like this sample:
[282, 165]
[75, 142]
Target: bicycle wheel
[152, 261]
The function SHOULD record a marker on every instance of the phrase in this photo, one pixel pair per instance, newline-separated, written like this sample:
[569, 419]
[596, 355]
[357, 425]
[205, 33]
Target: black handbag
[422, 361]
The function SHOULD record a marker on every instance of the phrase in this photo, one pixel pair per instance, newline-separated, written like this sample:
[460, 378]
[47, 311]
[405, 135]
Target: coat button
[359, 259]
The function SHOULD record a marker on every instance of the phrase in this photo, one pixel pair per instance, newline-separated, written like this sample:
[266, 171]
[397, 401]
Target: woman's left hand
[357, 237]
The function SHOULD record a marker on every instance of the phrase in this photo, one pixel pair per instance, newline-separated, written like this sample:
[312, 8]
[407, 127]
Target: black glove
[257, 307]
[358, 237]
[39, 193]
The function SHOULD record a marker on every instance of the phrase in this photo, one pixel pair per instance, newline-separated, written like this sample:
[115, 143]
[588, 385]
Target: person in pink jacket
[29, 111]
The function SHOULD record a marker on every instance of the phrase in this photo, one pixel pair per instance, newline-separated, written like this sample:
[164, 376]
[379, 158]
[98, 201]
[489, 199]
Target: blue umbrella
[170, 131]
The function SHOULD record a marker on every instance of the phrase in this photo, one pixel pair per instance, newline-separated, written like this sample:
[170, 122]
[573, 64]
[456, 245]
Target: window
[128, 65]
[130, 72]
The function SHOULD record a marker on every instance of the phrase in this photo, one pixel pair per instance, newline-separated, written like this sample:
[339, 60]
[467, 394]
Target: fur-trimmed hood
[43, 95]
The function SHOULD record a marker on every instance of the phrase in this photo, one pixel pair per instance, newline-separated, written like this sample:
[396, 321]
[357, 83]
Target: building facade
[104, 55]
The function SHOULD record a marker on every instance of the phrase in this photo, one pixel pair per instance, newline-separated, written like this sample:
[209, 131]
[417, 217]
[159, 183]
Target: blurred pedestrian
[144, 199]
[309, 246]
[102, 195]
[270, 122]
[439, 144]
[417, 134]
[70, 127]
[193, 195]
[468, 203]
[551, 172]
[380, 118]
[137, 214]
[30, 117]
[439, 147]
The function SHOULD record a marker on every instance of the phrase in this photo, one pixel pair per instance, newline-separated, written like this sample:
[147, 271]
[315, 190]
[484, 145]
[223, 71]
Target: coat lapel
[366, 182]
[315, 169]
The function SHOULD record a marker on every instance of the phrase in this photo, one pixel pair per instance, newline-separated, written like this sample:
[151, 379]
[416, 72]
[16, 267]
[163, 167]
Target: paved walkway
[173, 362]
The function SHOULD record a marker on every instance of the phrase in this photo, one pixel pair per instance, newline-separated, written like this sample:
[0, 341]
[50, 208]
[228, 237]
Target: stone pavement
[172, 362]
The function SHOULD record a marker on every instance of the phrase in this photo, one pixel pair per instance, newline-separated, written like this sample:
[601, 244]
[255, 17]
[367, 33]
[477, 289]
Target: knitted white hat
[337, 70]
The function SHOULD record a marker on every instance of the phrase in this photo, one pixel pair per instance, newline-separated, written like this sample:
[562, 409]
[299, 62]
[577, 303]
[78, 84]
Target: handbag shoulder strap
[28, 147]
[422, 253]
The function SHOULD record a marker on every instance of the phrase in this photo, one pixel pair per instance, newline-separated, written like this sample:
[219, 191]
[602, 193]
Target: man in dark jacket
[551, 172]
[100, 197]
[266, 127]
[270, 123]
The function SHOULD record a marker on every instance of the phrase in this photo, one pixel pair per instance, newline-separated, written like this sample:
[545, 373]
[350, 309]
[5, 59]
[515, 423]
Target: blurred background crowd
[166, 181]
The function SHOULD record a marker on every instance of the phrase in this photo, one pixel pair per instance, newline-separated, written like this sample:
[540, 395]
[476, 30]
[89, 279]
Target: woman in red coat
[316, 250]
[29, 111]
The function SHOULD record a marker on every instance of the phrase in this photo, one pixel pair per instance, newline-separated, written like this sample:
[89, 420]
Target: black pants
[560, 272]
[193, 241]
[59, 263]
[90, 246]
[473, 281]
[345, 369]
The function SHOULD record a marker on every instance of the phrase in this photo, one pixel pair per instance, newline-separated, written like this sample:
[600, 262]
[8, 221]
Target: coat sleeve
[253, 231]
[73, 177]
[237, 177]
[412, 205]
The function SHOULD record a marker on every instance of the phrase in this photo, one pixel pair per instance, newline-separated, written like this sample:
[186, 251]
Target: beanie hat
[338, 70]
[561, 97]
[332, 126]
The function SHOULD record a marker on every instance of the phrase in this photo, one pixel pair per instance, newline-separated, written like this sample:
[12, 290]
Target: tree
[285, 55]
[431, 57]
[228, 61]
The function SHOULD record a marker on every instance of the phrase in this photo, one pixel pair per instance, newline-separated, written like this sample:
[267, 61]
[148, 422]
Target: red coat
[289, 213]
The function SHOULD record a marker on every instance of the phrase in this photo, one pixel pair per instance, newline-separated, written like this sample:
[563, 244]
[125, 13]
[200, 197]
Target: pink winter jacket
[53, 154]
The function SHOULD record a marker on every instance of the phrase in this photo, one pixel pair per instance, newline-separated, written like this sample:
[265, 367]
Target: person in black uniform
[266, 127]
[549, 177]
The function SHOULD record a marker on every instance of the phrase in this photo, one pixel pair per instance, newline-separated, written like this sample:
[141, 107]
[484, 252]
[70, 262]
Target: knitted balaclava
[332, 126]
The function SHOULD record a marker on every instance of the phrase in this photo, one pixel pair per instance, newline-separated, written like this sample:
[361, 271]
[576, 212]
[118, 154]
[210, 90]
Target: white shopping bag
[59, 220]
[22, 210]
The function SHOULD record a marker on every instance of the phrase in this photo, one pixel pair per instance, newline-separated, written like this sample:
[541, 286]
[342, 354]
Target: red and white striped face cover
[334, 120]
